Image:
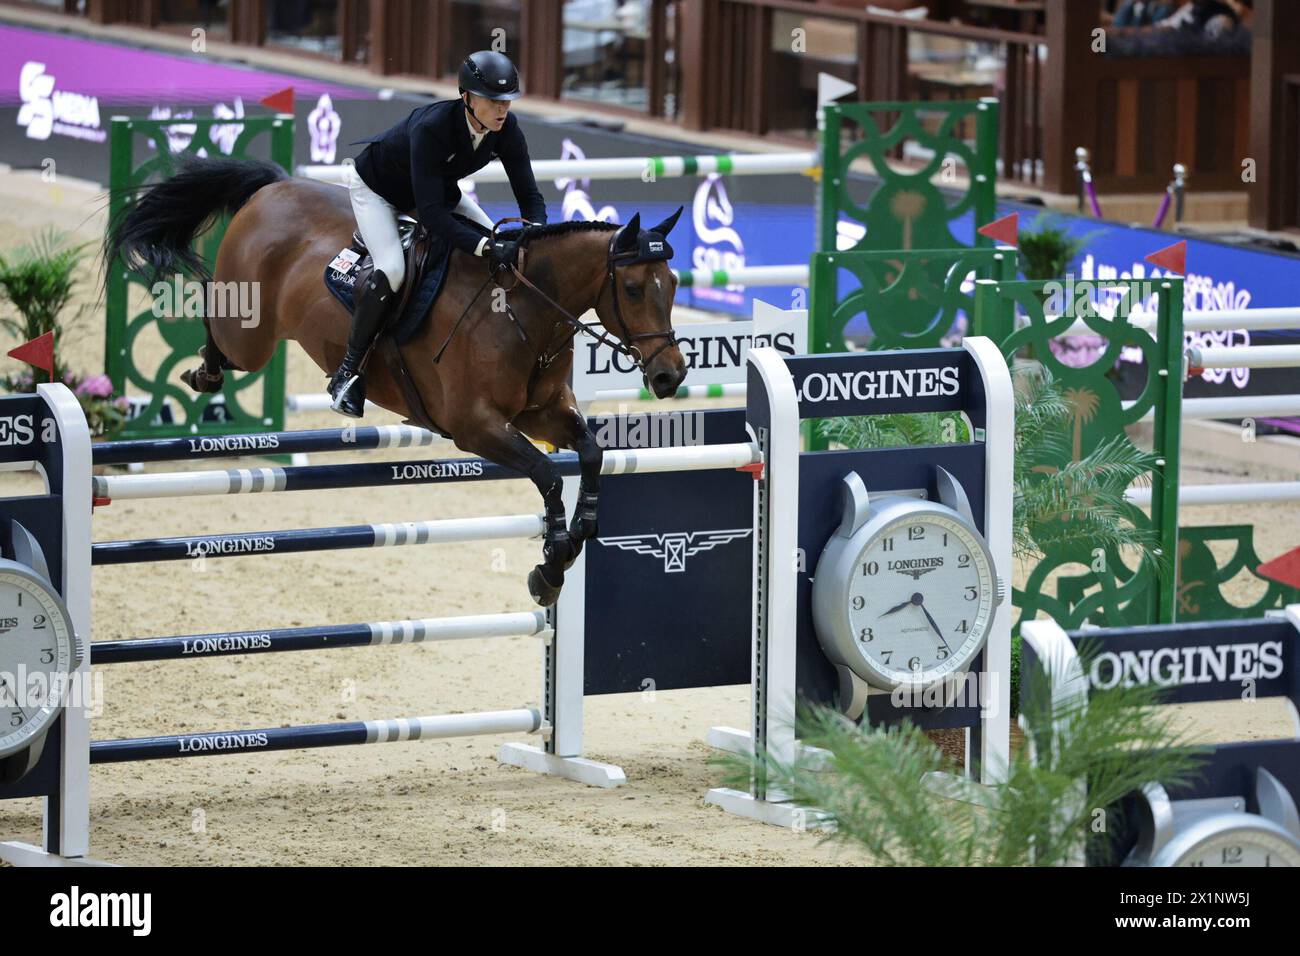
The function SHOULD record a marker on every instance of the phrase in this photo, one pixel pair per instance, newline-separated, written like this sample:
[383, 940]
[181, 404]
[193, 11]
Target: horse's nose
[664, 382]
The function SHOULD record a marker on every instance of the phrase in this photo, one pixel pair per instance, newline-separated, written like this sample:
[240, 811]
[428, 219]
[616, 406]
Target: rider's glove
[504, 253]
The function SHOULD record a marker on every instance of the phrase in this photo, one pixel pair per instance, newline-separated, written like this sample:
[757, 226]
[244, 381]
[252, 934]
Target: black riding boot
[346, 387]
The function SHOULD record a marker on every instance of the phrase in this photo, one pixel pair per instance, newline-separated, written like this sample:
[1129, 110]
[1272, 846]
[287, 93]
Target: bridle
[613, 261]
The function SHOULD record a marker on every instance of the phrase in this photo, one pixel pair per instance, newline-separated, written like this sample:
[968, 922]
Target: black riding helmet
[491, 74]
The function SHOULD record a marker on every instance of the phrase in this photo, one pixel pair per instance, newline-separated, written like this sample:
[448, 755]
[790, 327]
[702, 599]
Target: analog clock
[905, 591]
[39, 651]
[1245, 843]
[1218, 831]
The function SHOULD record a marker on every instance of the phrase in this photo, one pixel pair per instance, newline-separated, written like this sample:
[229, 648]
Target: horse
[492, 371]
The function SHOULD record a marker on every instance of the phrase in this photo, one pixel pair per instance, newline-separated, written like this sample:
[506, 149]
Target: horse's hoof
[200, 381]
[543, 591]
[576, 545]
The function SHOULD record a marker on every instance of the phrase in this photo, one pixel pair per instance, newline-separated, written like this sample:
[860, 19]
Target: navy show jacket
[415, 166]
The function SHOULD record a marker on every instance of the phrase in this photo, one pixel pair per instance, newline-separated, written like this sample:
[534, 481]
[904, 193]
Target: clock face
[36, 648]
[921, 598]
[1241, 846]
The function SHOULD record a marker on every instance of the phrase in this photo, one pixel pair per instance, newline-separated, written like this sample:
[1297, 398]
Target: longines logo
[915, 566]
[225, 643]
[241, 741]
[202, 547]
[16, 430]
[886, 383]
[1188, 664]
[676, 546]
[218, 443]
[703, 352]
[437, 469]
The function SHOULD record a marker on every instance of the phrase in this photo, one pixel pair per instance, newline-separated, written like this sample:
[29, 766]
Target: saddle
[427, 258]
[426, 271]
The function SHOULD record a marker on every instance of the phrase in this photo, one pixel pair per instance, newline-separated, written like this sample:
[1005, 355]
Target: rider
[415, 166]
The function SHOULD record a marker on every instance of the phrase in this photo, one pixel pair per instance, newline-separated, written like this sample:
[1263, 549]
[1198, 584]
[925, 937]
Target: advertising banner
[716, 353]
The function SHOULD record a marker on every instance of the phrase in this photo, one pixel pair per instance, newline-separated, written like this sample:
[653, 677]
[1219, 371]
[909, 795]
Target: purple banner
[36, 64]
[57, 93]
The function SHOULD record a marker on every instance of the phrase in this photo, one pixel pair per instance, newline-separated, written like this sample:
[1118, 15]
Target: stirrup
[342, 395]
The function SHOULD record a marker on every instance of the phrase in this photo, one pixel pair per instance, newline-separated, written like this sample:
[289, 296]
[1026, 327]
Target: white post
[563, 675]
[773, 690]
[71, 811]
[999, 439]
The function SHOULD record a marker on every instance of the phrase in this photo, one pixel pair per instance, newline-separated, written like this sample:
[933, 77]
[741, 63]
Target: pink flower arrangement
[106, 412]
[95, 386]
[1077, 351]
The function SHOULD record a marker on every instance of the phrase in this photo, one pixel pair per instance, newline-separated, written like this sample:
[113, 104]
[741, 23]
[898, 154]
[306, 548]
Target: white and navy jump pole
[245, 481]
[523, 720]
[196, 447]
[320, 638]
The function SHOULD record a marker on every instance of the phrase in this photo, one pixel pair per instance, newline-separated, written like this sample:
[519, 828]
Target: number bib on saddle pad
[344, 263]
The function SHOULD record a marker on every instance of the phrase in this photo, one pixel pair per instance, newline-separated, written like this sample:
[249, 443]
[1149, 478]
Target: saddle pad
[349, 269]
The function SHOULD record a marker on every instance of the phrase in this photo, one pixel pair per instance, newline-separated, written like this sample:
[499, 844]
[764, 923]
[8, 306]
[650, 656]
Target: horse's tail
[154, 234]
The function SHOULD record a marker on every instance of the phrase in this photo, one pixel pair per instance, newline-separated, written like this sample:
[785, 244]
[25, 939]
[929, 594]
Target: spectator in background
[1143, 13]
[1210, 17]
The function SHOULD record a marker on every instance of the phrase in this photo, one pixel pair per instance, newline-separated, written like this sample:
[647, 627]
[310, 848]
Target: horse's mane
[530, 233]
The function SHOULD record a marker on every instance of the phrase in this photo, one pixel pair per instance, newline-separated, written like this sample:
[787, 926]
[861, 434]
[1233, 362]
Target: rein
[549, 354]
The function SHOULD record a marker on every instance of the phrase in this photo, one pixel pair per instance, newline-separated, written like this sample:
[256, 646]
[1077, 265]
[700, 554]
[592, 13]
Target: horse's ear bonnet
[651, 244]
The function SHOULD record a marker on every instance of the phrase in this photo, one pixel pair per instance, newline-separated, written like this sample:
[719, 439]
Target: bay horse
[496, 383]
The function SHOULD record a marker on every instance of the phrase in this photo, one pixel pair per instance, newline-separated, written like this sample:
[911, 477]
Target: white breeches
[377, 223]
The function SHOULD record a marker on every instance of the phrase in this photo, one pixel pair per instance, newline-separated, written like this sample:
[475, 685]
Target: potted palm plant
[894, 797]
[38, 282]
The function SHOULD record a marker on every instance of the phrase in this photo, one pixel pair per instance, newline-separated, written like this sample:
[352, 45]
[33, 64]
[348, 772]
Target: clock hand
[17, 704]
[930, 618]
[914, 599]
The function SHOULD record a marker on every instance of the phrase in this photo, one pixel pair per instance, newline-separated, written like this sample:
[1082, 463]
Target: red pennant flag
[1171, 258]
[1284, 569]
[280, 101]
[1005, 230]
[39, 352]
